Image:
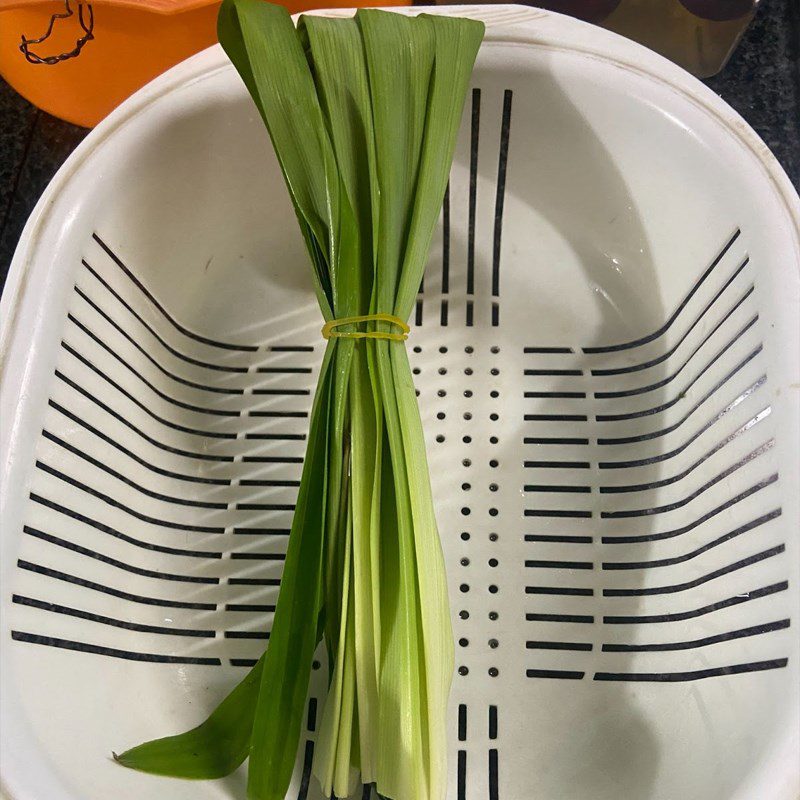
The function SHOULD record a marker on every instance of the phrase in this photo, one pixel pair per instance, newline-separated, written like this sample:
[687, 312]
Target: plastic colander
[606, 352]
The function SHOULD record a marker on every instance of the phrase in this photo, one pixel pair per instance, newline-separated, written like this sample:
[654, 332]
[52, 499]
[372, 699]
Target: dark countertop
[761, 81]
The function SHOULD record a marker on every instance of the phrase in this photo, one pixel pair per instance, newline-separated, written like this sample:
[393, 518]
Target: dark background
[761, 81]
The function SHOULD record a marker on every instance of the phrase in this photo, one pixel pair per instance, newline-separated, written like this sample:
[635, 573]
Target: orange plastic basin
[133, 42]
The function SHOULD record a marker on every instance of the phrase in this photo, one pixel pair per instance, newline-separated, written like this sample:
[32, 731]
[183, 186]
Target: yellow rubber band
[328, 331]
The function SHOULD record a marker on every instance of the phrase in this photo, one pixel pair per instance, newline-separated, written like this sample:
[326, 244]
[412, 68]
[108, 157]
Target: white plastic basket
[607, 346]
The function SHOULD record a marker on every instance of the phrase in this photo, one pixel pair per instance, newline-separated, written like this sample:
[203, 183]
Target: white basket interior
[605, 348]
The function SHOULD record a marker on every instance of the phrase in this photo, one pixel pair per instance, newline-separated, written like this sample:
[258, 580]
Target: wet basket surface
[606, 352]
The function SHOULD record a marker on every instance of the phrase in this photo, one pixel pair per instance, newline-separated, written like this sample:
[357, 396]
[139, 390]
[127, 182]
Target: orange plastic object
[133, 42]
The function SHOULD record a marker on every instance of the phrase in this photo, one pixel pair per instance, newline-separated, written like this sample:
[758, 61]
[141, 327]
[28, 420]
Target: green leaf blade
[363, 115]
[213, 749]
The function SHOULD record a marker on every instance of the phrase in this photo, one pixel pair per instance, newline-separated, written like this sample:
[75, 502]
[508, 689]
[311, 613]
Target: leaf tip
[121, 759]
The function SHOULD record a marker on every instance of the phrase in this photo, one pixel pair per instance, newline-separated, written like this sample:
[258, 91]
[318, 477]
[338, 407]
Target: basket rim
[507, 25]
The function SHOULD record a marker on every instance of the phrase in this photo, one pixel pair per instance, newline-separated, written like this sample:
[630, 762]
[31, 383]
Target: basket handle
[87, 26]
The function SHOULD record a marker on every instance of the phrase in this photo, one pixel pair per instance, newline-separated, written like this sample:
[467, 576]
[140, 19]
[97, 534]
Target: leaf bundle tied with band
[363, 113]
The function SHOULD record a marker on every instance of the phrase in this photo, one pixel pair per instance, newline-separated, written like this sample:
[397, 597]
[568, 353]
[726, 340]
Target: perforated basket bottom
[609, 513]
[601, 419]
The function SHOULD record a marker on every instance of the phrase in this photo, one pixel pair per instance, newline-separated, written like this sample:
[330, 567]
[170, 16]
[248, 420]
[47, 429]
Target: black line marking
[305, 780]
[152, 331]
[258, 556]
[125, 393]
[445, 247]
[661, 647]
[555, 418]
[647, 412]
[698, 612]
[545, 350]
[288, 348]
[584, 647]
[178, 526]
[243, 662]
[254, 581]
[85, 551]
[272, 459]
[665, 381]
[119, 476]
[493, 774]
[655, 537]
[54, 608]
[249, 635]
[726, 473]
[266, 608]
[279, 414]
[670, 428]
[185, 331]
[502, 164]
[534, 537]
[562, 591]
[277, 437]
[204, 387]
[661, 383]
[163, 395]
[495, 313]
[470, 314]
[554, 440]
[557, 465]
[558, 513]
[129, 655]
[462, 723]
[311, 718]
[99, 587]
[539, 564]
[557, 488]
[673, 677]
[556, 395]
[666, 326]
[160, 445]
[107, 529]
[475, 118]
[672, 453]
[444, 313]
[668, 562]
[682, 587]
[284, 370]
[262, 531]
[572, 618]
[461, 775]
[418, 308]
[563, 674]
[138, 459]
[265, 506]
[664, 356]
[281, 392]
[492, 722]
[553, 372]
[640, 487]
